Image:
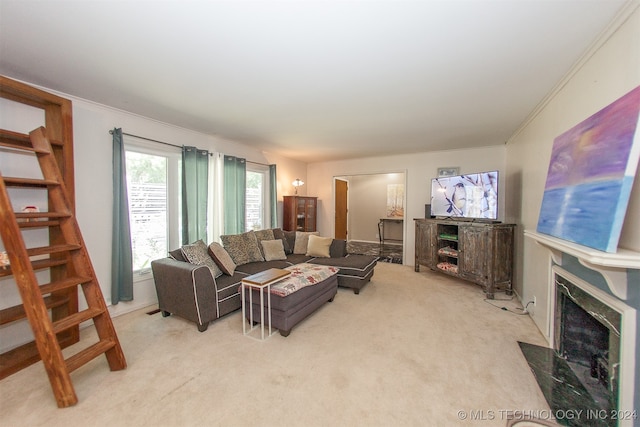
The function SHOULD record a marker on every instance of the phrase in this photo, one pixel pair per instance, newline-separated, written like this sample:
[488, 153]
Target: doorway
[362, 202]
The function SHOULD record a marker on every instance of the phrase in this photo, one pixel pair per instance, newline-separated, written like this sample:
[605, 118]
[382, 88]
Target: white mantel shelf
[612, 266]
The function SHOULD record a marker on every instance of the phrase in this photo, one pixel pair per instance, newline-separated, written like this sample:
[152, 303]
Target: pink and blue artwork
[590, 176]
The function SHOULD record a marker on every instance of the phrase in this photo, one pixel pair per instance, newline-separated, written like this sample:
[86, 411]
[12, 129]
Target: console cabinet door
[426, 244]
[473, 253]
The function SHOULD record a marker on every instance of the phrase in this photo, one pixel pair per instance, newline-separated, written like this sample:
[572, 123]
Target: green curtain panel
[195, 171]
[121, 252]
[273, 196]
[235, 189]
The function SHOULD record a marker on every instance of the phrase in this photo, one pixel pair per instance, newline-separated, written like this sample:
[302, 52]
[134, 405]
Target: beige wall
[419, 168]
[368, 203]
[610, 71]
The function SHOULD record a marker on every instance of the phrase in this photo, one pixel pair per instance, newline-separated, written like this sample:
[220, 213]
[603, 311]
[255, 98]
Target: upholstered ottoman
[355, 270]
[293, 299]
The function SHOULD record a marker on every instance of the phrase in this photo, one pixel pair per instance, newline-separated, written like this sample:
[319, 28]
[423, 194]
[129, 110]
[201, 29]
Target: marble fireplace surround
[613, 268]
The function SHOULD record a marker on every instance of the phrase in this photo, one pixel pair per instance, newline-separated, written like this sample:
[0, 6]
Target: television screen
[473, 195]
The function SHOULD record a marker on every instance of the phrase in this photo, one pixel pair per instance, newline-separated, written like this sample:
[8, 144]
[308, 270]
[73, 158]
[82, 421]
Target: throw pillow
[263, 235]
[273, 250]
[198, 254]
[319, 246]
[222, 258]
[302, 239]
[243, 248]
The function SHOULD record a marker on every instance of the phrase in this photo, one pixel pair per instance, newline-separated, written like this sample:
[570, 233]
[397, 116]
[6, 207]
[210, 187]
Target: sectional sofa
[201, 283]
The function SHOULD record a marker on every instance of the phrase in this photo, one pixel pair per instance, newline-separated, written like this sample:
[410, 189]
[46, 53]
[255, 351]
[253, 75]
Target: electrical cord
[522, 312]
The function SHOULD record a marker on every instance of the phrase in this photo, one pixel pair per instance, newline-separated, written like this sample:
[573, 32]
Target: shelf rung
[61, 284]
[11, 314]
[89, 353]
[20, 141]
[54, 249]
[27, 354]
[40, 264]
[29, 182]
[76, 319]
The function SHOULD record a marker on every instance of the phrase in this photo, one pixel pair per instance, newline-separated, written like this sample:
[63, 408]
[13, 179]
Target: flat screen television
[472, 195]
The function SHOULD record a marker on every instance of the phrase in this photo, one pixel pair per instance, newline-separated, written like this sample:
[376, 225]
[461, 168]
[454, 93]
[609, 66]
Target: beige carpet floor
[413, 349]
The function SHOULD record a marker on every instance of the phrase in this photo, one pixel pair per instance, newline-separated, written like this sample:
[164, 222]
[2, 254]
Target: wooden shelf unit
[59, 124]
[479, 252]
[300, 213]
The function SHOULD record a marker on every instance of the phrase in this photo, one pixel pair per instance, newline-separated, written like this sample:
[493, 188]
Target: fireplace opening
[584, 344]
[587, 336]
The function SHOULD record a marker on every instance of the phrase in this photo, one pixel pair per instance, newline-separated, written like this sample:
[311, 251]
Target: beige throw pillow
[319, 246]
[302, 239]
[222, 258]
[273, 250]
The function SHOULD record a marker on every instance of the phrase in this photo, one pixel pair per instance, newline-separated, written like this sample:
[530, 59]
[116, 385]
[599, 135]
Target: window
[153, 203]
[257, 200]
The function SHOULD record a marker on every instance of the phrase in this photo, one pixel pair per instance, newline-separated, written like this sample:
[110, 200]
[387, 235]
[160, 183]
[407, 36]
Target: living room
[607, 71]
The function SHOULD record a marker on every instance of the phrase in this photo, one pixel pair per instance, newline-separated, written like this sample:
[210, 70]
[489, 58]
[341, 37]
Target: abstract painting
[590, 176]
[395, 200]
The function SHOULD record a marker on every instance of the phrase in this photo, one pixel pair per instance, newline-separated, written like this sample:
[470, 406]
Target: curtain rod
[177, 146]
[149, 139]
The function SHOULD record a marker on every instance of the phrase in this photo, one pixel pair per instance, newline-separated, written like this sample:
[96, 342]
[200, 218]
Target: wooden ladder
[68, 252]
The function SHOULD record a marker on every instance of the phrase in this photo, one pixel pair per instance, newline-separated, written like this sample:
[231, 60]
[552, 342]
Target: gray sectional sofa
[201, 291]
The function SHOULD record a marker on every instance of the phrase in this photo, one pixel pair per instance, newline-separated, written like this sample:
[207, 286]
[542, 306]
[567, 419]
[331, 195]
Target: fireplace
[587, 336]
[591, 364]
[589, 371]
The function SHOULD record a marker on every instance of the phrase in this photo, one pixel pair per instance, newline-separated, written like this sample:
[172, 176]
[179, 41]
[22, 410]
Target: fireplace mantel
[612, 266]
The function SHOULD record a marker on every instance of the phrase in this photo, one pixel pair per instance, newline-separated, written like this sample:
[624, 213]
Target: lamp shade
[297, 183]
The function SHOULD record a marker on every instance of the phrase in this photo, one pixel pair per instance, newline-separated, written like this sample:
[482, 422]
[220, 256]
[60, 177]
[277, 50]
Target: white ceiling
[312, 80]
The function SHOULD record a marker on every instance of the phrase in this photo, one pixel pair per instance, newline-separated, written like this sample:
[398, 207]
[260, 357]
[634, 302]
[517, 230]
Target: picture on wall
[395, 200]
[590, 176]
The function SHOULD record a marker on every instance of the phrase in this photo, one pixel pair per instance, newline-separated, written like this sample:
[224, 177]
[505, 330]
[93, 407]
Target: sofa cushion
[273, 250]
[243, 248]
[177, 255]
[222, 258]
[257, 267]
[319, 246]
[350, 266]
[197, 253]
[338, 248]
[302, 240]
[279, 234]
[290, 241]
[227, 286]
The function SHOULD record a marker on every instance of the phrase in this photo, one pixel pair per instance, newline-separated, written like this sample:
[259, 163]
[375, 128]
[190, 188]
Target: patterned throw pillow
[222, 258]
[197, 253]
[319, 246]
[302, 240]
[273, 250]
[243, 248]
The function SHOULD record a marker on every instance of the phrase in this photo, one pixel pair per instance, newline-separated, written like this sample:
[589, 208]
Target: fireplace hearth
[582, 373]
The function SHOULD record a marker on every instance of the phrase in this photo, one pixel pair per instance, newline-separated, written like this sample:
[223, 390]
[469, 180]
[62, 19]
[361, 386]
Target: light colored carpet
[413, 349]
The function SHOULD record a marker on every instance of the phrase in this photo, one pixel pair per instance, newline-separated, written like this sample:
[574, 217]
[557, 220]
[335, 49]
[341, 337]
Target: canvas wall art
[395, 200]
[590, 176]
